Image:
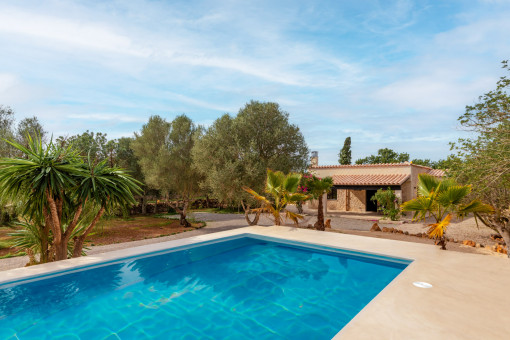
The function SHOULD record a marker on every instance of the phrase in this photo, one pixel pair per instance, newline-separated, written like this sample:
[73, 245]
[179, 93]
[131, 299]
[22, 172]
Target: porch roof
[380, 179]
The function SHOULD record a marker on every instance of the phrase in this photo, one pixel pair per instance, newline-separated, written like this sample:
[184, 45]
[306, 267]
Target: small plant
[281, 189]
[441, 199]
[387, 203]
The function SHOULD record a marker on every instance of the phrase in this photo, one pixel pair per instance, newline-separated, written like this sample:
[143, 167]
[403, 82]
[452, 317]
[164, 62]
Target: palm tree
[55, 186]
[441, 199]
[317, 188]
[283, 190]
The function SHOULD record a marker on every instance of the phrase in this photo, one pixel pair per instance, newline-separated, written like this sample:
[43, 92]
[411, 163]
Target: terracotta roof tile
[436, 172]
[396, 179]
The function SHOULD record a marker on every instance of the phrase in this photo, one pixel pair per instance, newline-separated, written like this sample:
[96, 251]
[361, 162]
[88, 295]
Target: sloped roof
[379, 179]
[436, 172]
[364, 165]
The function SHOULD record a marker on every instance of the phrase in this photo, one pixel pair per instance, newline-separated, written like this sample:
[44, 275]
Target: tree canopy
[237, 151]
[384, 156]
[164, 153]
[484, 159]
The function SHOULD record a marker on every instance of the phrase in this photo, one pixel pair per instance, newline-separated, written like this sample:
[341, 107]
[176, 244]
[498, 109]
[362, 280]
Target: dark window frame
[333, 195]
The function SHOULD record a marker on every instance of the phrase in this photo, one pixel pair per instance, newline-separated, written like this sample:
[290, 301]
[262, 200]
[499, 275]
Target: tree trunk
[505, 234]
[319, 225]
[299, 206]
[442, 243]
[44, 243]
[247, 212]
[182, 212]
[499, 222]
[80, 240]
[144, 203]
[207, 201]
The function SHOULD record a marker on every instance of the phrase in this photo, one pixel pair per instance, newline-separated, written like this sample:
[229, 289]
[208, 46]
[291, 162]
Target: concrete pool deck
[469, 298]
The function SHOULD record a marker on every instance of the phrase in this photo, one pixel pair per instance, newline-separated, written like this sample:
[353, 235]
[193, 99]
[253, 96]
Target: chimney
[314, 160]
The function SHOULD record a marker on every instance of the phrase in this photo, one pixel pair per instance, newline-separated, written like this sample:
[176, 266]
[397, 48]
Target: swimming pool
[245, 286]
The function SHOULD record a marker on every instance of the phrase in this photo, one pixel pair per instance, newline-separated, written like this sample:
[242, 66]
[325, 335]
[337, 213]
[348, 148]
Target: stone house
[354, 185]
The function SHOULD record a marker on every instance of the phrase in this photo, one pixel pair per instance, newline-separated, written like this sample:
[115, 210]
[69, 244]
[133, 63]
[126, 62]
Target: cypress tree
[344, 157]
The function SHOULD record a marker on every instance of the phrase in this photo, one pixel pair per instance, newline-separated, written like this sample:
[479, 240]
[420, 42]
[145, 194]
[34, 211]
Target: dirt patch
[408, 238]
[117, 230]
[138, 228]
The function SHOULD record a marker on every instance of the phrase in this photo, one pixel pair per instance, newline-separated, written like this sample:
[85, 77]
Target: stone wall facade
[347, 200]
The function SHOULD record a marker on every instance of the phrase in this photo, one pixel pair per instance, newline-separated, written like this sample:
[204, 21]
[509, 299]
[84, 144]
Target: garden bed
[116, 230]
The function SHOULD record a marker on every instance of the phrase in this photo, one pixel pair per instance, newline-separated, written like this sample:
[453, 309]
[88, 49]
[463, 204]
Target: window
[333, 194]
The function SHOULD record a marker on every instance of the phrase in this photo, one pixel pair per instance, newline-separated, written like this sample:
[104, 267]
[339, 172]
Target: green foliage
[387, 203]
[29, 127]
[163, 150]
[385, 156]
[344, 157]
[441, 199]
[484, 159]
[237, 151]
[316, 188]
[444, 164]
[55, 186]
[281, 190]
[6, 130]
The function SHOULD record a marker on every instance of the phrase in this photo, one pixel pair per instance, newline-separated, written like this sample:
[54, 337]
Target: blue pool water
[238, 288]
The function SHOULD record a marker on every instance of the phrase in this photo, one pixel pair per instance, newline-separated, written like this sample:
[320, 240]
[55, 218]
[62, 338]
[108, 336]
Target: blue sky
[392, 74]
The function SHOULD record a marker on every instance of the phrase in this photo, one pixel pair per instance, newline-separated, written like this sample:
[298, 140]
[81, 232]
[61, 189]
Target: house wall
[407, 190]
[347, 200]
[358, 200]
[414, 180]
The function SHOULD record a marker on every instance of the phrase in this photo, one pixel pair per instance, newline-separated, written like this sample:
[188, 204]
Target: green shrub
[388, 203]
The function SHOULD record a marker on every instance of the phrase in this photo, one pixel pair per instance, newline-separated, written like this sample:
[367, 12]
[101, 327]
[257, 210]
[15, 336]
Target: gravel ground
[358, 224]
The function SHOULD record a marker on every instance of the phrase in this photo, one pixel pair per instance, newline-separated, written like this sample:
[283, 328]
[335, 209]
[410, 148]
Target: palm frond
[437, 230]
[427, 184]
[453, 195]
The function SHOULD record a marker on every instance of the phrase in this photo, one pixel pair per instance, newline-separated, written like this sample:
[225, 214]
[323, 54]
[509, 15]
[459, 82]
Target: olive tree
[164, 152]
[236, 151]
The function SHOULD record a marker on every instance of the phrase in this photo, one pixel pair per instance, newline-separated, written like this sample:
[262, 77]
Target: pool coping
[468, 298]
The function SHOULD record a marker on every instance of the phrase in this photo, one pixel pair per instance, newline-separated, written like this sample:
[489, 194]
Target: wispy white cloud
[107, 117]
[367, 69]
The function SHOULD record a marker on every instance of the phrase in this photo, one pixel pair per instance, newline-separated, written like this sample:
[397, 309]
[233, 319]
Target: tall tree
[29, 127]
[6, 130]
[385, 156]
[237, 151]
[164, 152]
[95, 144]
[344, 157]
[484, 159]
[126, 159]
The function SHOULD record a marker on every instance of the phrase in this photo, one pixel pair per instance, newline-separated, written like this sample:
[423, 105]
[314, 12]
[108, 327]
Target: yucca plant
[281, 190]
[441, 200]
[55, 185]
